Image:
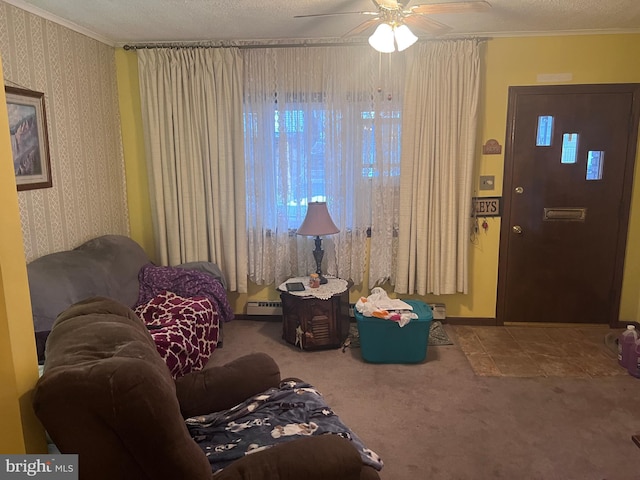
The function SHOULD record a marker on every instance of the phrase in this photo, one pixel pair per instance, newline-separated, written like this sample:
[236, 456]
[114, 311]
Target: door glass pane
[545, 131]
[595, 162]
[569, 148]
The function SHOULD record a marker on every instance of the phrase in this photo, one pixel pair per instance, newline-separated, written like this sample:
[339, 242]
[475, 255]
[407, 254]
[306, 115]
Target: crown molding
[559, 33]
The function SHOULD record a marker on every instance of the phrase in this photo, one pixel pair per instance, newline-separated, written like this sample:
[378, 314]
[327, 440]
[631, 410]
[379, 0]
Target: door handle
[517, 229]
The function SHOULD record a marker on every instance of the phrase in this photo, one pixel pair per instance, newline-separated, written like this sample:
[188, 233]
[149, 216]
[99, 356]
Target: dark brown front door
[569, 161]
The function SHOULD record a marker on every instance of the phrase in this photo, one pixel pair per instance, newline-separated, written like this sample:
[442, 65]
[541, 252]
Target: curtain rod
[141, 46]
[244, 46]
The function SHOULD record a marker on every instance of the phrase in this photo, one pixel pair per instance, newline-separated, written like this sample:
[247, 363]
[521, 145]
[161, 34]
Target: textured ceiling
[129, 21]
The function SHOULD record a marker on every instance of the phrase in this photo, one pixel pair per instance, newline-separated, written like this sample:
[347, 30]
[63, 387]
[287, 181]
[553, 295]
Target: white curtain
[321, 123]
[192, 117]
[438, 143]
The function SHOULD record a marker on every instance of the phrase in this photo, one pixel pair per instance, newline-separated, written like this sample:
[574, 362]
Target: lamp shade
[404, 37]
[382, 39]
[318, 221]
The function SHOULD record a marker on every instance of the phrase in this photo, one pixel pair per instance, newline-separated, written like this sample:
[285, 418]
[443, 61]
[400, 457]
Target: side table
[314, 323]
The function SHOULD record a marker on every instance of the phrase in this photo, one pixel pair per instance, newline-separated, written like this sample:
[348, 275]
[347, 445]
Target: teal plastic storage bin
[384, 341]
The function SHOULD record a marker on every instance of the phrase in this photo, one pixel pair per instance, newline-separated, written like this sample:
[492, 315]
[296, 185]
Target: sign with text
[51, 467]
[486, 207]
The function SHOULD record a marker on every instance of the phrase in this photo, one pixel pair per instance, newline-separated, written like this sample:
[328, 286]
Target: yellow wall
[133, 146]
[589, 59]
[21, 431]
[507, 61]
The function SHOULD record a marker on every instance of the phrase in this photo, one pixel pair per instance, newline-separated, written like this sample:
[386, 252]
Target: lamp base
[318, 253]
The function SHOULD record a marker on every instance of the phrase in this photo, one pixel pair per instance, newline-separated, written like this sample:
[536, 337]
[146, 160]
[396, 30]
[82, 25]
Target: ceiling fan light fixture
[382, 39]
[404, 37]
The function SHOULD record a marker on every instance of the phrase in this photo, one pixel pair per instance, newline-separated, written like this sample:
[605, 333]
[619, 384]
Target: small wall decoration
[492, 147]
[29, 140]
[486, 207]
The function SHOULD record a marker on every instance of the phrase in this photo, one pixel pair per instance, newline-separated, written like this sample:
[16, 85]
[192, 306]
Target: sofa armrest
[311, 458]
[218, 388]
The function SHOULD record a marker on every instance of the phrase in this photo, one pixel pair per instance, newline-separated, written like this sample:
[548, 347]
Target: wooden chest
[313, 324]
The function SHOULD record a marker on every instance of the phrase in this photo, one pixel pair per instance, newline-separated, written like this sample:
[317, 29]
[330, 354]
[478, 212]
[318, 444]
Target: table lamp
[318, 222]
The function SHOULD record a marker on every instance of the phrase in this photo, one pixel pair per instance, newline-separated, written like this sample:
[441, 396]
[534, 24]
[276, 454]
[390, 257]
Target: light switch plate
[487, 182]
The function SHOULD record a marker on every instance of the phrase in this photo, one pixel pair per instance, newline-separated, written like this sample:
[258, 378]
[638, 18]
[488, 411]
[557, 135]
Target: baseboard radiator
[264, 308]
[439, 311]
[272, 308]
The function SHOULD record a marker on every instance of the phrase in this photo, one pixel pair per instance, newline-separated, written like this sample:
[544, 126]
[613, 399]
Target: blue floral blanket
[275, 416]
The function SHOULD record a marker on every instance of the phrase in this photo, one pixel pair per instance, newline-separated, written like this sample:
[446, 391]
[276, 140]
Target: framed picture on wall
[29, 140]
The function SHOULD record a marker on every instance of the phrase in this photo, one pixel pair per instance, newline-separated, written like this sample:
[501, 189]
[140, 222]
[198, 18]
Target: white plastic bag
[370, 307]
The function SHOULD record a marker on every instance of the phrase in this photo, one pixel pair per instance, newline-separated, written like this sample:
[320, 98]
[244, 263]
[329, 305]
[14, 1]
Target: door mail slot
[565, 214]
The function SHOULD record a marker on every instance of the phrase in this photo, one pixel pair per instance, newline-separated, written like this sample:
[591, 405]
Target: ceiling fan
[393, 18]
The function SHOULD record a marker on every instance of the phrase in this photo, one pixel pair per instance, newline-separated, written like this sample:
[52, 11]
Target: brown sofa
[107, 395]
[106, 266]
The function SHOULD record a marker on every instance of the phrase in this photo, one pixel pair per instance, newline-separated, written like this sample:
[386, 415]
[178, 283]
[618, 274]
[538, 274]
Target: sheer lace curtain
[192, 119]
[438, 144]
[321, 123]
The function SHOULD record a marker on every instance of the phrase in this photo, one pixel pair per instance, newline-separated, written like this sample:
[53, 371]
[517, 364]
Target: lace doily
[323, 292]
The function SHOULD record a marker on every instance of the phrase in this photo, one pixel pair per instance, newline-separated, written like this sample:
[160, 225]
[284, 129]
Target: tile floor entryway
[530, 351]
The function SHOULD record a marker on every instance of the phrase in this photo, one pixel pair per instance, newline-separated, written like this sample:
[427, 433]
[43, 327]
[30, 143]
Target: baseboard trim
[478, 321]
[470, 321]
[555, 325]
[264, 318]
[473, 321]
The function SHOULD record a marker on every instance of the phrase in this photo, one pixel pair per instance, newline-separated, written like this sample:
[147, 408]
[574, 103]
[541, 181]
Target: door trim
[508, 185]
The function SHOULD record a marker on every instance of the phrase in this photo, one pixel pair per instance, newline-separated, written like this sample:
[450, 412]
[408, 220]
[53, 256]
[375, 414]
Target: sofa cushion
[221, 387]
[105, 266]
[107, 396]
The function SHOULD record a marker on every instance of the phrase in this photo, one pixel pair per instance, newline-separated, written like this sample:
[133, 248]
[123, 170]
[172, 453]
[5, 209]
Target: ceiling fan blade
[427, 24]
[455, 7]
[361, 28]
[334, 14]
[389, 4]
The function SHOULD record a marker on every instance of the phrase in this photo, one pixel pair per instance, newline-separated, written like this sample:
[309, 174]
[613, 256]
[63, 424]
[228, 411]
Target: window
[292, 127]
[300, 137]
[320, 124]
[569, 148]
[388, 126]
[545, 131]
[595, 165]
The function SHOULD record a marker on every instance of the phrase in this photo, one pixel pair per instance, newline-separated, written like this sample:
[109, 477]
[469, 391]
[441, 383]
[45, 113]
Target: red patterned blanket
[182, 309]
[185, 330]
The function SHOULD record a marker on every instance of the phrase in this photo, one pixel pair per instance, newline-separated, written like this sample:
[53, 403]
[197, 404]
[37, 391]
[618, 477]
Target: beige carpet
[438, 420]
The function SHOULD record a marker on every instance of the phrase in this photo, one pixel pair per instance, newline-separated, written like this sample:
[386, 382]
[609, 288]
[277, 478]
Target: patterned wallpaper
[78, 76]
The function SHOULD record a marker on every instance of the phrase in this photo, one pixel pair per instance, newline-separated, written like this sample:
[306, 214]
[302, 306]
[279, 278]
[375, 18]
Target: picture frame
[29, 138]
